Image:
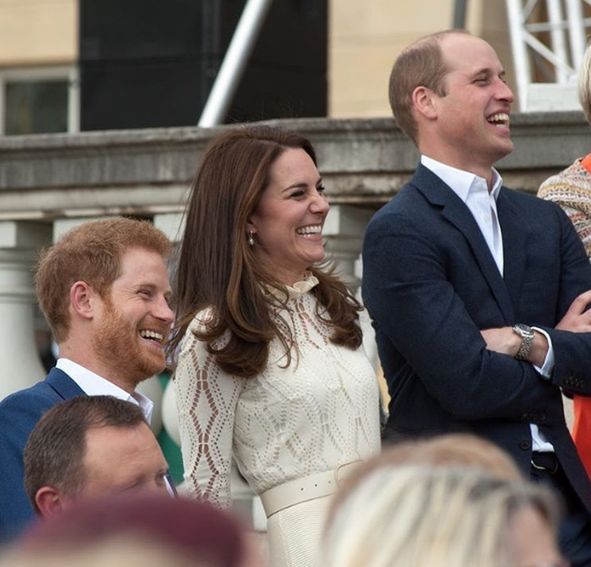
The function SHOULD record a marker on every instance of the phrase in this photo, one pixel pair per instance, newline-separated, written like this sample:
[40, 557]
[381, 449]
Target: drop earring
[250, 238]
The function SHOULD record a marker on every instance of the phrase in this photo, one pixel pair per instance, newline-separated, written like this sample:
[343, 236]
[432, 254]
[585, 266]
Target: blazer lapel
[63, 385]
[514, 244]
[458, 214]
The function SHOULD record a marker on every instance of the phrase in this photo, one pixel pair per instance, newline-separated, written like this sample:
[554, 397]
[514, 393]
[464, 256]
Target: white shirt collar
[94, 385]
[462, 182]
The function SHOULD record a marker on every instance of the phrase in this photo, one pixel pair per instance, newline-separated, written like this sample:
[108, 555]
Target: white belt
[303, 489]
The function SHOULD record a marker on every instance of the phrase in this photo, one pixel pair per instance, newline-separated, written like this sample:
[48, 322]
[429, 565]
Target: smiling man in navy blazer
[478, 293]
[104, 291]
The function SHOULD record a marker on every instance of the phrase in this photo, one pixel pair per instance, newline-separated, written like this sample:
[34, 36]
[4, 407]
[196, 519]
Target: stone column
[20, 242]
[343, 229]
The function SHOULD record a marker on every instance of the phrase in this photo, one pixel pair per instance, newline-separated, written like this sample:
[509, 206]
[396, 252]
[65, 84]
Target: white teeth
[311, 229]
[147, 334]
[499, 118]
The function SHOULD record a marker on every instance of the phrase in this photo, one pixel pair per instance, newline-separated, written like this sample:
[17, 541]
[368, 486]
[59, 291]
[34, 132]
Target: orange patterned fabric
[582, 430]
[571, 189]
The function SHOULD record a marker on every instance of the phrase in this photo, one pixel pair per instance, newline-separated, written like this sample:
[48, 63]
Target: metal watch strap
[527, 338]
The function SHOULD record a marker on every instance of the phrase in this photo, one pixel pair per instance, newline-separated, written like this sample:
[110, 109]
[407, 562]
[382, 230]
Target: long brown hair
[217, 269]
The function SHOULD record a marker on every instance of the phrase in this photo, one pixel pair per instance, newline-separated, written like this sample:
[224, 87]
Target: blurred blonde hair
[430, 517]
[454, 449]
[584, 86]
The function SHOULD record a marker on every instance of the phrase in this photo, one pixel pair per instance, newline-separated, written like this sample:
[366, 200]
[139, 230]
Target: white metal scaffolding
[547, 37]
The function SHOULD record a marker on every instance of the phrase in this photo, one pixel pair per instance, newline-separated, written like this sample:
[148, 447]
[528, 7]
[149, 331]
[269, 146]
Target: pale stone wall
[38, 32]
[365, 38]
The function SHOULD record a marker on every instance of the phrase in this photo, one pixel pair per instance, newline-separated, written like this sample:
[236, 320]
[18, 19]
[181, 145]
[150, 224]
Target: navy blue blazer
[19, 413]
[431, 284]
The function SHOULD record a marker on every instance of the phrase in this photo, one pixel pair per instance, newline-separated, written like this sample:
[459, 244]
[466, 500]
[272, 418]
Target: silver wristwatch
[527, 338]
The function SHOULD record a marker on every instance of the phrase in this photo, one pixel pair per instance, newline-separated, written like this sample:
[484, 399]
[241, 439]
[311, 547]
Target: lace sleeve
[206, 400]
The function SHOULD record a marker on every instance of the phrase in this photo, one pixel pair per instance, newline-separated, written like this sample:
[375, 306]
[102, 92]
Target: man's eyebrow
[153, 287]
[488, 72]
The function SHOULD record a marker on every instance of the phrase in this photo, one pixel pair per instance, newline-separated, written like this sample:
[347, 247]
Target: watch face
[523, 330]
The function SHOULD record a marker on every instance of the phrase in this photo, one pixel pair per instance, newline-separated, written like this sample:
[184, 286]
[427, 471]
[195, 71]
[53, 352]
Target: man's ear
[49, 501]
[82, 299]
[423, 102]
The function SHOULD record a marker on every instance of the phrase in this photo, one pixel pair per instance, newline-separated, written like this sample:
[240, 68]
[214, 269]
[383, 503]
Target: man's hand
[505, 340]
[577, 319]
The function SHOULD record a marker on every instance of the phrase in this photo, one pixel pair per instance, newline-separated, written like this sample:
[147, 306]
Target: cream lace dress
[319, 413]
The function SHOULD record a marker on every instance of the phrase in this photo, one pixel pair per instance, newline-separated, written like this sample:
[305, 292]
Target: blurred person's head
[584, 86]
[254, 222]
[89, 447]
[196, 531]
[104, 290]
[442, 517]
[126, 551]
[451, 450]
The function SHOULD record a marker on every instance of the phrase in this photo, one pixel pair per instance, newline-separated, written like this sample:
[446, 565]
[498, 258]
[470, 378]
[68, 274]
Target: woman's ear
[251, 227]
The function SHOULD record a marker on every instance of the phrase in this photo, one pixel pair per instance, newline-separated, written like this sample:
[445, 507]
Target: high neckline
[303, 286]
[294, 290]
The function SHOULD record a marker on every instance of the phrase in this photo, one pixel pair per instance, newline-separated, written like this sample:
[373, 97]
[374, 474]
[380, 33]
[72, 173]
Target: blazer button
[525, 445]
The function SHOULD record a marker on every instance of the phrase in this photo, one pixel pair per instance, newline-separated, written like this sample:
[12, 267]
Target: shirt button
[525, 445]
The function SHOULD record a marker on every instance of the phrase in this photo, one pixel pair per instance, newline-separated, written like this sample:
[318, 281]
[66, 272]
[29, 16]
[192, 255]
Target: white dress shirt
[482, 203]
[94, 385]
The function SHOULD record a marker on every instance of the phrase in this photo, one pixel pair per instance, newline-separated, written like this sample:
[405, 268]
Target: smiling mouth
[500, 119]
[310, 230]
[154, 336]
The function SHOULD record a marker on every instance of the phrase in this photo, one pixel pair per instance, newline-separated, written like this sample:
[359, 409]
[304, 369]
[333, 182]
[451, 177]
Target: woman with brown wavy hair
[270, 370]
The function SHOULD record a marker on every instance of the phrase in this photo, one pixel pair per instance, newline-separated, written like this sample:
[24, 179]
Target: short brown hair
[217, 268]
[92, 253]
[419, 64]
[54, 453]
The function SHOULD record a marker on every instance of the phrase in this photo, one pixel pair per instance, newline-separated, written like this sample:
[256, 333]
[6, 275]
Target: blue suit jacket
[431, 284]
[19, 413]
